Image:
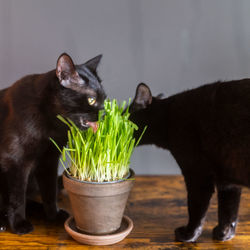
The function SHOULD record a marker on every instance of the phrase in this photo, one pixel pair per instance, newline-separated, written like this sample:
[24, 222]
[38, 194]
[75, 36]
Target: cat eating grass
[207, 130]
[28, 111]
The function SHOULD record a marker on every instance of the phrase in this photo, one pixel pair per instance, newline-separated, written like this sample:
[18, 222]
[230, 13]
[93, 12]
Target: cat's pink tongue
[93, 125]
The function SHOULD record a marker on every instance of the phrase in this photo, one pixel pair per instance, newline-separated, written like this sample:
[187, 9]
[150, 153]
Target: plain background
[172, 45]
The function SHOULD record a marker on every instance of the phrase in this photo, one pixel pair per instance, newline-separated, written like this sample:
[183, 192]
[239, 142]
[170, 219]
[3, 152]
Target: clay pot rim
[129, 175]
[89, 237]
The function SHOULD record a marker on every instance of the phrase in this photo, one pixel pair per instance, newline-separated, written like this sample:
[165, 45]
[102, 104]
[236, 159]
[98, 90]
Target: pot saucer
[90, 239]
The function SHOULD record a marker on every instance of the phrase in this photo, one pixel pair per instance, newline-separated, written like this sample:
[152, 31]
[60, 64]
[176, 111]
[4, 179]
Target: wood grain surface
[157, 205]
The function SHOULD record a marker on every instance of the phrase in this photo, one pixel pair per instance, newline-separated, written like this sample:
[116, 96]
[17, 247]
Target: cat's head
[142, 111]
[81, 94]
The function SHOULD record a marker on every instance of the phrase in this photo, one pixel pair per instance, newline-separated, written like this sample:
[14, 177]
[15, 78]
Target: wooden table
[157, 205]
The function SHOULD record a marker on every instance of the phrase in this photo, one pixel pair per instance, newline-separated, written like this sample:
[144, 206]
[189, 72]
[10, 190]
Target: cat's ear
[143, 96]
[93, 63]
[66, 72]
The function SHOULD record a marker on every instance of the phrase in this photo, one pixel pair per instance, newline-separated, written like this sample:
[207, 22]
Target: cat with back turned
[207, 130]
[28, 111]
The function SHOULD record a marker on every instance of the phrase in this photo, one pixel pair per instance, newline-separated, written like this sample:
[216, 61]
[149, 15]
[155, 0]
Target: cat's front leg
[3, 203]
[46, 175]
[3, 221]
[200, 190]
[228, 206]
[16, 178]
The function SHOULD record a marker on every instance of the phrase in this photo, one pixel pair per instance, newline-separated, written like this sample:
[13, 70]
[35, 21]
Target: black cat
[207, 130]
[28, 111]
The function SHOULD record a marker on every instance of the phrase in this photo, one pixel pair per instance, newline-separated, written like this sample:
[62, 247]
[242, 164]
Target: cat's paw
[184, 235]
[2, 227]
[22, 227]
[224, 233]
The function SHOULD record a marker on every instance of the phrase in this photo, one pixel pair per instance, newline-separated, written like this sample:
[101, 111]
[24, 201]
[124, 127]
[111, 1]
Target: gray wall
[171, 45]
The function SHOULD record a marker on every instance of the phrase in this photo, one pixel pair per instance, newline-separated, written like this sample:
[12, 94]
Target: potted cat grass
[99, 179]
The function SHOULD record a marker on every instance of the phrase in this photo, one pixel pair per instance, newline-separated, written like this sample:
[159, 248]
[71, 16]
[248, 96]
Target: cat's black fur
[207, 130]
[28, 111]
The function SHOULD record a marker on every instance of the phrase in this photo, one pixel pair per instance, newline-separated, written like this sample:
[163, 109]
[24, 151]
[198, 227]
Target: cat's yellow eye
[91, 100]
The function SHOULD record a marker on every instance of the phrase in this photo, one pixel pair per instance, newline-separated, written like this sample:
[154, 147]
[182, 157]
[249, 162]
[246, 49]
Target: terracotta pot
[98, 207]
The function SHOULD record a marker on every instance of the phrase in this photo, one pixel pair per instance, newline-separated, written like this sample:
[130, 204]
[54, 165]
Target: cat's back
[3, 104]
[23, 98]
[220, 106]
[29, 91]
[2, 93]
[233, 93]
[229, 102]
[230, 97]
[219, 110]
